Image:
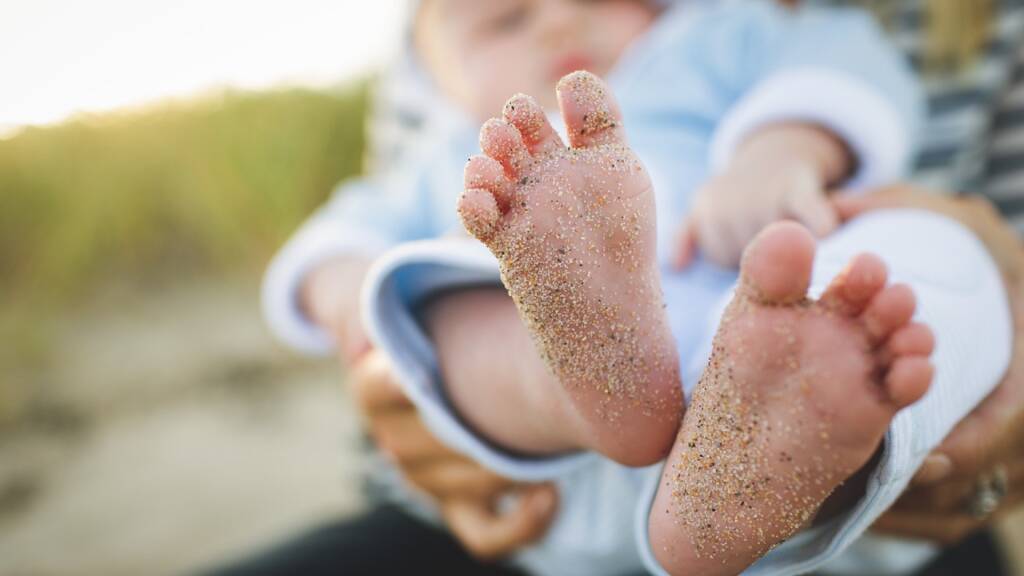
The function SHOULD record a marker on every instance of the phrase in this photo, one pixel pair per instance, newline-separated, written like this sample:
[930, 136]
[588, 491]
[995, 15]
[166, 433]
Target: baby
[574, 231]
[798, 392]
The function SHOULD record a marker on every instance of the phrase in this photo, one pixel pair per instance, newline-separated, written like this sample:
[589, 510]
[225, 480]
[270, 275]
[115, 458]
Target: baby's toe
[503, 142]
[776, 266]
[908, 380]
[479, 213]
[528, 117]
[914, 339]
[485, 173]
[889, 310]
[852, 290]
[592, 117]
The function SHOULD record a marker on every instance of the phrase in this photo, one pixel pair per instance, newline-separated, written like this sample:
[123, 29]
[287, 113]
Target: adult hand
[974, 212]
[468, 495]
[985, 451]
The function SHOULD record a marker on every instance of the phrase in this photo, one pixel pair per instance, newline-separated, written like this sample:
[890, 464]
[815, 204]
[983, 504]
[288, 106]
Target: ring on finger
[989, 491]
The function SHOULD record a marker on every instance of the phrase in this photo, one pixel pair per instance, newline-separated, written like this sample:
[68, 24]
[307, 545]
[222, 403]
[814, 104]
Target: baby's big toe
[776, 266]
[592, 116]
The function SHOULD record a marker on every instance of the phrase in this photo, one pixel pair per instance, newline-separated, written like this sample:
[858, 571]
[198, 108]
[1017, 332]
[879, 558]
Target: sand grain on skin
[744, 480]
[588, 330]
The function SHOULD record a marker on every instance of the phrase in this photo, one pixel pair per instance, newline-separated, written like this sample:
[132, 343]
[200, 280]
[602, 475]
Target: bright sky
[58, 57]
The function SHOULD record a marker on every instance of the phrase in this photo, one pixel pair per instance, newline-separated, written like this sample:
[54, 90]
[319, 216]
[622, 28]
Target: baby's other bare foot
[795, 398]
[574, 231]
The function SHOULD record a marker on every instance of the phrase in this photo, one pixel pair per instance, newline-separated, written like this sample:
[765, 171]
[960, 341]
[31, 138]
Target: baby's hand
[781, 172]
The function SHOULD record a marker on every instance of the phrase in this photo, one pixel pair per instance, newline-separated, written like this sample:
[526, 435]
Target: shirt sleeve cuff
[400, 280]
[317, 241]
[851, 108]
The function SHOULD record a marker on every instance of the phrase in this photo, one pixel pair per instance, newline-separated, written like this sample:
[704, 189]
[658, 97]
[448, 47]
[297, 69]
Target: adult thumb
[488, 533]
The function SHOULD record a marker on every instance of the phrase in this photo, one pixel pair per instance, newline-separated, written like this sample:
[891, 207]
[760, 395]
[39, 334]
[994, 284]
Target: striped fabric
[974, 138]
[961, 103]
[1004, 173]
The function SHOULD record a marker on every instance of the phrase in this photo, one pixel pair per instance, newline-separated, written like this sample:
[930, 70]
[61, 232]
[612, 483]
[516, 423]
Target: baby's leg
[573, 230]
[796, 397]
[493, 374]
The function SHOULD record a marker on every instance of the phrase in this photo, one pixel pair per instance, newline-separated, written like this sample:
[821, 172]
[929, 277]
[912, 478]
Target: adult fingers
[972, 211]
[945, 498]
[403, 436]
[943, 529]
[685, 249]
[940, 524]
[994, 430]
[949, 496]
[488, 534]
[808, 206]
[452, 478]
[374, 385]
[852, 205]
[935, 468]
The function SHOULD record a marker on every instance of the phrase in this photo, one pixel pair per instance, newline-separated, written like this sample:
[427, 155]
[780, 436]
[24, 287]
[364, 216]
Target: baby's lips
[568, 63]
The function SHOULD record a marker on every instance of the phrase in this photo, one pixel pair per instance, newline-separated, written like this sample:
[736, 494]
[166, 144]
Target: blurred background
[153, 155]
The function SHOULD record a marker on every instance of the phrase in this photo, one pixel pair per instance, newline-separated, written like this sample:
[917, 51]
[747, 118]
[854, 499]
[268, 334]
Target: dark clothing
[384, 541]
[388, 541]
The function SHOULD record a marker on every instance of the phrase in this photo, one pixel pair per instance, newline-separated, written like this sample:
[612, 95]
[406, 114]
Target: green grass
[209, 186]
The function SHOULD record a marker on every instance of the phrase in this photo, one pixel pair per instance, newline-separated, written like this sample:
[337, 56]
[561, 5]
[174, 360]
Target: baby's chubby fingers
[714, 238]
[810, 206]
[710, 229]
[685, 246]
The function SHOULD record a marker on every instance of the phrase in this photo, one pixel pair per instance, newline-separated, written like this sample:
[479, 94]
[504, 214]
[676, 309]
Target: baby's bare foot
[573, 230]
[795, 398]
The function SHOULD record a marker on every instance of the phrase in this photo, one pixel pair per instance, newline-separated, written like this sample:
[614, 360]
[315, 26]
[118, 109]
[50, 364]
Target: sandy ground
[169, 432]
[172, 433]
